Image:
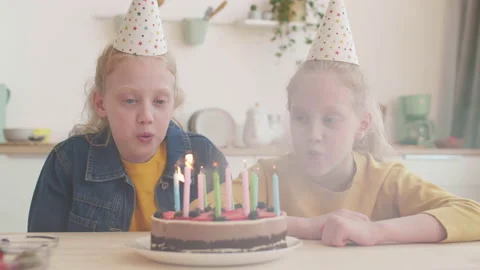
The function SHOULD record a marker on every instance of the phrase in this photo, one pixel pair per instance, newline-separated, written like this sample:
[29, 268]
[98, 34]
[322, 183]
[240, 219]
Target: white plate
[215, 124]
[142, 247]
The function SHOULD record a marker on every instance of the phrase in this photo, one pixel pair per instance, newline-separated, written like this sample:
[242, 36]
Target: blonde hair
[106, 62]
[375, 141]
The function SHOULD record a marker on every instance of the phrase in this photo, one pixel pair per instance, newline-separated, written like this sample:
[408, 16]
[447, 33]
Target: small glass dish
[30, 252]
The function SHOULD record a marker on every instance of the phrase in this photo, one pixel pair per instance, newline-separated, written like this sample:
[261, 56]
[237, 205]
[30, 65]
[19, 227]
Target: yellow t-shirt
[379, 190]
[145, 177]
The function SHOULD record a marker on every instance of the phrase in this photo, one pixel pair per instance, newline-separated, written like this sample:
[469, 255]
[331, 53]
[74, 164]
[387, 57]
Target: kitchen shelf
[267, 151]
[239, 23]
[25, 148]
[265, 23]
[253, 152]
[119, 18]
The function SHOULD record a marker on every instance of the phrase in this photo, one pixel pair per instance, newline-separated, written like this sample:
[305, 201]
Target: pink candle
[228, 189]
[246, 192]
[200, 185]
[186, 184]
[186, 192]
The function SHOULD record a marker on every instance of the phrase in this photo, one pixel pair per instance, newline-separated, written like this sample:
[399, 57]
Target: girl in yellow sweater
[337, 195]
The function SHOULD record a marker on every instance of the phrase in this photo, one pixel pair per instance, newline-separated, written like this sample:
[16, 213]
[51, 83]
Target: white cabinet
[18, 176]
[457, 174]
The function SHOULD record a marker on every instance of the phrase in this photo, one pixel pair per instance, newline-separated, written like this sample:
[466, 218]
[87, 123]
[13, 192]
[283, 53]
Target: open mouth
[314, 153]
[145, 137]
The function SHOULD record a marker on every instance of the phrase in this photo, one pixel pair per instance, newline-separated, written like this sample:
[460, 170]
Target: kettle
[4, 98]
[257, 127]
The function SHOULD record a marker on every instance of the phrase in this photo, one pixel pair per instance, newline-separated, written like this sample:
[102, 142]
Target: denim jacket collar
[104, 162]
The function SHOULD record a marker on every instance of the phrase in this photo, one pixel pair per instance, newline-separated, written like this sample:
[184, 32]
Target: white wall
[48, 51]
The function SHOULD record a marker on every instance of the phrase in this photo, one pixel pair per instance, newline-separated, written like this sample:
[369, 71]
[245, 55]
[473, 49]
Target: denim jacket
[83, 187]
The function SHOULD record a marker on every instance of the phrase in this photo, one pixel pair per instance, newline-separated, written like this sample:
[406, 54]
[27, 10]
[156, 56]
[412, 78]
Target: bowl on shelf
[25, 134]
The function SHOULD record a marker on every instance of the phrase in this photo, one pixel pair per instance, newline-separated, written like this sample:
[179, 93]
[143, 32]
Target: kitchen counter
[44, 149]
[401, 150]
[25, 148]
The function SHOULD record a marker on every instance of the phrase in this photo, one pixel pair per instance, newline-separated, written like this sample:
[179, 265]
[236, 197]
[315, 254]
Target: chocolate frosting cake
[232, 232]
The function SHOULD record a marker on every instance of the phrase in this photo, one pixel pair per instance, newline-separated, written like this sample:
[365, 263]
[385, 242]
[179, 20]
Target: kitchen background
[49, 48]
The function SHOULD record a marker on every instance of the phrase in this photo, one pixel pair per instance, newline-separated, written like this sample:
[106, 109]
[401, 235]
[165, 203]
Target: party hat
[142, 32]
[334, 40]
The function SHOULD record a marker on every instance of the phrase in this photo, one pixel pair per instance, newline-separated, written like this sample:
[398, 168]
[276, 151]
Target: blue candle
[276, 194]
[177, 177]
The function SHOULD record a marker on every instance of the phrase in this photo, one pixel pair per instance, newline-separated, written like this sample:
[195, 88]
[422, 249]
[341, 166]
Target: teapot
[257, 131]
[4, 98]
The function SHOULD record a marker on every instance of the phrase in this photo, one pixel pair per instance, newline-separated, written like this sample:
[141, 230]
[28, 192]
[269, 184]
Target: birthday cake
[205, 232]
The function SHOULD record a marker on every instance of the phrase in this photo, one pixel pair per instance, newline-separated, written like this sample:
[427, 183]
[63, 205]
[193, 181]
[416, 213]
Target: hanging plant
[288, 11]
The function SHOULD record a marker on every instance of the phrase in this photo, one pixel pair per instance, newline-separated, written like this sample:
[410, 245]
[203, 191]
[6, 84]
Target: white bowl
[18, 134]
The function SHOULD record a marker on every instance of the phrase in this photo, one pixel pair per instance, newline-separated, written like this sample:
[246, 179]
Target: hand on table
[343, 226]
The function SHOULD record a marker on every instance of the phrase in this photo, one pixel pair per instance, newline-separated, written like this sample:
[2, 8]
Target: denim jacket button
[164, 185]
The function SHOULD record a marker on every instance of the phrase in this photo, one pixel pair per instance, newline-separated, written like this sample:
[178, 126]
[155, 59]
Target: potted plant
[287, 12]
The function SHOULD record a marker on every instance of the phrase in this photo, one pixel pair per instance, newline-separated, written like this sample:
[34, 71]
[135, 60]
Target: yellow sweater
[145, 177]
[379, 190]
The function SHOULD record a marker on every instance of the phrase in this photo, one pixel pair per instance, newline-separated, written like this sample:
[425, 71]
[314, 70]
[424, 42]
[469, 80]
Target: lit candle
[177, 177]
[218, 199]
[186, 185]
[254, 191]
[228, 189]
[276, 194]
[201, 189]
[246, 191]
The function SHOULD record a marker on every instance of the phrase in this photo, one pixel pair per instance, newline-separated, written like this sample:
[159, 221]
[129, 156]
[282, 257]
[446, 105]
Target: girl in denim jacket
[116, 171]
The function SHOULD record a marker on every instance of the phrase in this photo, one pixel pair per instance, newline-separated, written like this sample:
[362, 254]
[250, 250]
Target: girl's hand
[317, 224]
[340, 230]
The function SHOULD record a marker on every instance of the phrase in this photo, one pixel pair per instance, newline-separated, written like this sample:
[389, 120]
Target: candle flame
[201, 169]
[215, 164]
[179, 173]
[245, 164]
[189, 160]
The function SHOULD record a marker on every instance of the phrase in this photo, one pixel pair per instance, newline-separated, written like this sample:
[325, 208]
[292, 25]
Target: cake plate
[142, 247]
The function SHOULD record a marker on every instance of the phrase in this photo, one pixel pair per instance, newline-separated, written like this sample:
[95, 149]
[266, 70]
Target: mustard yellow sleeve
[237, 188]
[412, 195]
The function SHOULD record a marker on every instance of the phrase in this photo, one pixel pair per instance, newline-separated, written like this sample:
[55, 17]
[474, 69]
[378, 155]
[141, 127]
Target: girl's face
[324, 124]
[139, 103]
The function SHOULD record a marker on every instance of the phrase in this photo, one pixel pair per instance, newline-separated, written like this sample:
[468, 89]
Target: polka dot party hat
[142, 32]
[334, 40]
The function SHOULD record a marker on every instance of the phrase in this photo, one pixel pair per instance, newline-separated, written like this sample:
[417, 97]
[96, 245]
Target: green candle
[253, 191]
[218, 198]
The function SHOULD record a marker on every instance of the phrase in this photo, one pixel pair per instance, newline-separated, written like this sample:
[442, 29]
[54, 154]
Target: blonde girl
[116, 170]
[335, 185]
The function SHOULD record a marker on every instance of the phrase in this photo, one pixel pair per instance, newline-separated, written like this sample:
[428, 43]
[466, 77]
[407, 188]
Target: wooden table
[105, 251]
